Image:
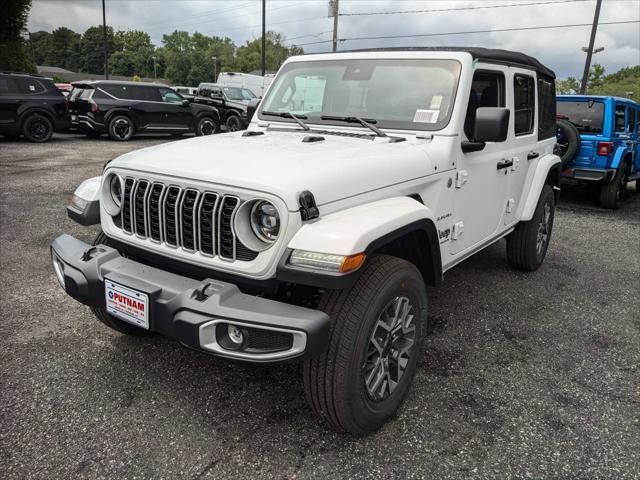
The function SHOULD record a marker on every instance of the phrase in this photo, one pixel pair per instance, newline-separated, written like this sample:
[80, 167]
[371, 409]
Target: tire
[612, 193]
[567, 141]
[206, 126]
[335, 381]
[233, 123]
[121, 128]
[527, 245]
[110, 321]
[37, 128]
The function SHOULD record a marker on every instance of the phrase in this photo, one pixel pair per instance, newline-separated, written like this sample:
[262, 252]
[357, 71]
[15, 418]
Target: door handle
[505, 164]
[532, 155]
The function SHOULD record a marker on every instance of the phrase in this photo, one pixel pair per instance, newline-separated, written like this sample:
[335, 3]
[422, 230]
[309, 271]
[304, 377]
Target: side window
[487, 90]
[630, 120]
[524, 103]
[8, 86]
[204, 92]
[619, 118]
[546, 108]
[170, 96]
[216, 92]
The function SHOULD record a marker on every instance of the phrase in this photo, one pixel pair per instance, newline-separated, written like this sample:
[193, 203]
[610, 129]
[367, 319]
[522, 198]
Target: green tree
[14, 54]
[568, 86]
[625, 82]
[133, 54]
[42, 46]
[64, 49]
[248, 57]
[93, 49]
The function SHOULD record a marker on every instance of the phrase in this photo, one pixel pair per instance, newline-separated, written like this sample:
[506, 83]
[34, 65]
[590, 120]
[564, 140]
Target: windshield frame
[314, 117]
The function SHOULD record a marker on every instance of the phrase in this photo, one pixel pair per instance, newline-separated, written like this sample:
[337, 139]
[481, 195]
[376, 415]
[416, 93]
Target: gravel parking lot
[524, 375]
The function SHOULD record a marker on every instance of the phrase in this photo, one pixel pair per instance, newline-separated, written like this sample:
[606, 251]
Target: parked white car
[312, 236]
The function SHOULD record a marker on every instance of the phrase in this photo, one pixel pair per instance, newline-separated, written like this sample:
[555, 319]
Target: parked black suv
[32, 106]
[123, 109]
[231, 102]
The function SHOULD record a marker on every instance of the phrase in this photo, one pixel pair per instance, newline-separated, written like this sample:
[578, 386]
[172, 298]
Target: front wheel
[37, 128]
[233, 123]
[377, 330]
[527, 245]
[206, 126]
[612, 193]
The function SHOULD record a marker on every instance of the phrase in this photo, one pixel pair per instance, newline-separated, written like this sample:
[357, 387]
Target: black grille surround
[187, 218]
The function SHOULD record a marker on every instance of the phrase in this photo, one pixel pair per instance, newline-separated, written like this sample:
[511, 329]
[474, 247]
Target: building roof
[489, 55]
[47, 69]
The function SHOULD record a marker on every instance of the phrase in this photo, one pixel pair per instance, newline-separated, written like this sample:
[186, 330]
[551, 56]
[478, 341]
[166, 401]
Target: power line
[384, 37]
[398, 12]
[203, 14]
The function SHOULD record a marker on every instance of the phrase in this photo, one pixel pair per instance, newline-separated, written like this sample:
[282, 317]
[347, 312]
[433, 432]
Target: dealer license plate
[127, 304]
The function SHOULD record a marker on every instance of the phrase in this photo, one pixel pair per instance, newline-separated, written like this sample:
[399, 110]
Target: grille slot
[126, 205]
[170, 215]
[182, 218]
[139, 210]
[188, 214]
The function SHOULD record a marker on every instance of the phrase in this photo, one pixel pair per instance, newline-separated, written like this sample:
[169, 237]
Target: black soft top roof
[489, 55]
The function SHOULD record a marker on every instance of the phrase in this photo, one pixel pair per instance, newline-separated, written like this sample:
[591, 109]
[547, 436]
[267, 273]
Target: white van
[256, 83]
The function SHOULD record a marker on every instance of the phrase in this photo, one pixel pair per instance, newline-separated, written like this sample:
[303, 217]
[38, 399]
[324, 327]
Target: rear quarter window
[30, 86]
[8, 86]
[546, 108]
[619, 118]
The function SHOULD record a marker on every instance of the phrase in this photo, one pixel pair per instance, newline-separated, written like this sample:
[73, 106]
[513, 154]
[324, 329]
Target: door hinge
[461, 178]
[516, 163]
[510, 204]
[457, 230]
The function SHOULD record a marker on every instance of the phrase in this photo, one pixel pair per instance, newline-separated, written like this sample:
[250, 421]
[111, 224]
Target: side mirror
[185, 102]
[492, 124]
[252, 106]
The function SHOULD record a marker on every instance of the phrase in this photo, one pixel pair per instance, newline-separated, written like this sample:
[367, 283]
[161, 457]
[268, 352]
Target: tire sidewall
[546, 196]
[201, 122]
[231, 121]
[44, 121]
[112, 124]
[405, 282]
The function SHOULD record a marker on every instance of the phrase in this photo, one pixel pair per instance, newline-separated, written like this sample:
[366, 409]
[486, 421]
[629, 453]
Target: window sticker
[32, 88]
[426, 116]
[436, 102]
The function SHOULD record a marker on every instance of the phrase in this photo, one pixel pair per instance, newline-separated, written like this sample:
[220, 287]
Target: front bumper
[190, 310]
[589, 175]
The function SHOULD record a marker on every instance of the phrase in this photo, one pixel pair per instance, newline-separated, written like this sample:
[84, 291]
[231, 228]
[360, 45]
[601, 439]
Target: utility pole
[263, 61]
[215, 69]
[104, 40]
[155, 73]
[587, 63]
[33, 55]
[333, 12]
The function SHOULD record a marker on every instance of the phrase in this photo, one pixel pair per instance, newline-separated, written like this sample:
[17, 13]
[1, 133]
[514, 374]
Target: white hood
[281, 164]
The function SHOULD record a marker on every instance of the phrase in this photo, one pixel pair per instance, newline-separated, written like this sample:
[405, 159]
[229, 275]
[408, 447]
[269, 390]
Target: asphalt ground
[525, 375]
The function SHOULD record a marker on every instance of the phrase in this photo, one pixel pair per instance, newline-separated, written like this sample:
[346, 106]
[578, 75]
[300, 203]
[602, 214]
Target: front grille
[178, 217]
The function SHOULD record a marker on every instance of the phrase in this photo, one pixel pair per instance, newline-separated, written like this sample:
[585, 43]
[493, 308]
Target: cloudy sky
[306, 23]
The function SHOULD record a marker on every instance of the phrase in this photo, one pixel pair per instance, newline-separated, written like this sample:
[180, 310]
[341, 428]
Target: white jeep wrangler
[362, 178]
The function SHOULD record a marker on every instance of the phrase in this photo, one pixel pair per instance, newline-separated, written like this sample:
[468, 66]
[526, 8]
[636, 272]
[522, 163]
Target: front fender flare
[364, 228]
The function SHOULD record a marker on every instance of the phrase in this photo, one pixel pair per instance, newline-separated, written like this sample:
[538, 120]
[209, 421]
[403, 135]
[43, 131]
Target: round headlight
[265, 221]
[116, 190]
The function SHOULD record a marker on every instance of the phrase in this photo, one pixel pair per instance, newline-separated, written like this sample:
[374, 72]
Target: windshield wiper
[365, 122]
[295, 117]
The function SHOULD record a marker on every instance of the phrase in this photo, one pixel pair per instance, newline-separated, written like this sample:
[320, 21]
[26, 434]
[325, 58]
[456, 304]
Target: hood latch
[308, 208]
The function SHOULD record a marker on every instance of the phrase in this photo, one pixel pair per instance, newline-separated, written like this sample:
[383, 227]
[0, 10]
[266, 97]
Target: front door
[482, 180]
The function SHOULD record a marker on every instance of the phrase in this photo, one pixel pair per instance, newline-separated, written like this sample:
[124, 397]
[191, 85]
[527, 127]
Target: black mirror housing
[252, 106]
[492, 124]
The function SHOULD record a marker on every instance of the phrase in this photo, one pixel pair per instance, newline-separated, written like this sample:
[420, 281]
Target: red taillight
[604, 148]
[94, 107]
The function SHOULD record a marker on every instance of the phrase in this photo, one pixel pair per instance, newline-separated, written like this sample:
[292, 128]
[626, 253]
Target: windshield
[248, 94]
[234, 93]
[587, 116]
[412, 94]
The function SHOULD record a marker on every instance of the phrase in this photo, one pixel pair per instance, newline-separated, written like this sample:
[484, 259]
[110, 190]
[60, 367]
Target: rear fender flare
[619, 156]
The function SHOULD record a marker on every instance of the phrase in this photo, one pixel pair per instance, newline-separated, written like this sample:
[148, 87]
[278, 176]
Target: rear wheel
[121, 128]
[110, 321]
[612, 193]
[377, 331]
[37, 128]
[206, 126]
[527, 245]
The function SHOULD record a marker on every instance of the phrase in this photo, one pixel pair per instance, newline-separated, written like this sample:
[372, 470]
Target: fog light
[235, 335]
[58, 268]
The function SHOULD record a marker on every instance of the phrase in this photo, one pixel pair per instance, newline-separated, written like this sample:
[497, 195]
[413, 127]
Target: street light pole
[104, 39]
[587, 63]
[263, 62]
[333, 5]
[215, 69]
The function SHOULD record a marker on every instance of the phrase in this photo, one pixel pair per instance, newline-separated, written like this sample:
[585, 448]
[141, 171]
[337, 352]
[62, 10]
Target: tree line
[621, 83]
[185, 59]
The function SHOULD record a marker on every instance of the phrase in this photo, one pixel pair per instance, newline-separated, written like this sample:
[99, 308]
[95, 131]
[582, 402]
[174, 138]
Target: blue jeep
[598, 140]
